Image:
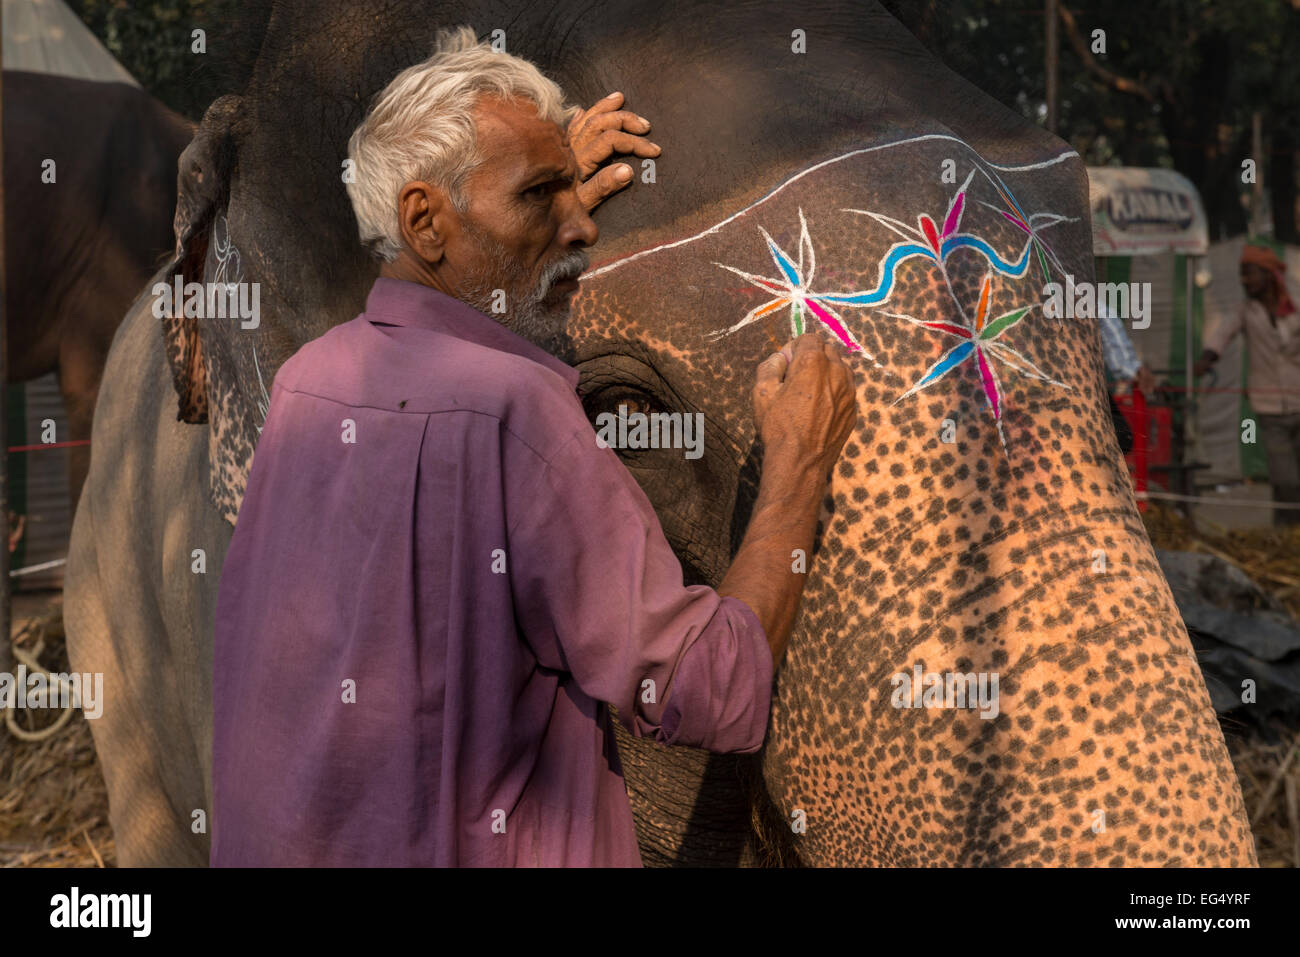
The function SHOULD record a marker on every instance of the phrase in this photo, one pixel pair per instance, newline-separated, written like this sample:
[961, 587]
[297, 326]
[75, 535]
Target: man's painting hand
[598, 133]
[805, 403]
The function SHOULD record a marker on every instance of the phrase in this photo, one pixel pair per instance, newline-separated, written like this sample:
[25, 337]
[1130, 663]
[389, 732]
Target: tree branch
[1113, 80]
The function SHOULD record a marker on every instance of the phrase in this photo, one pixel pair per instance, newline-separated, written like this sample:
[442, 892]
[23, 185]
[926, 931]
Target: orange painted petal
[984, 304]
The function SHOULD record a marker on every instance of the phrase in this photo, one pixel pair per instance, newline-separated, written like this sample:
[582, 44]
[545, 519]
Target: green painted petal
[1003, 322]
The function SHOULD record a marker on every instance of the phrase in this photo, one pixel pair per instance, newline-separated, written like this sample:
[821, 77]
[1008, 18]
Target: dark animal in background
[78, 250]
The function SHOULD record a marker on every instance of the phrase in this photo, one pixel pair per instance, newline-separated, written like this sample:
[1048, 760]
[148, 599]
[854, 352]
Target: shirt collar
[403, 303]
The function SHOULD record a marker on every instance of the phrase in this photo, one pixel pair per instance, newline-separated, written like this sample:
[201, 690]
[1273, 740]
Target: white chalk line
[609, 267]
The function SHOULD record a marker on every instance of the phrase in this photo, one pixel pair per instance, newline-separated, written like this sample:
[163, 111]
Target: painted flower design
[1031, 225]
[978, 335]
[793, 290]
[930, 242]
[979, 345]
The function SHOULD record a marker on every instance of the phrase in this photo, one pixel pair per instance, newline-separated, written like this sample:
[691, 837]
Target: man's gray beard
[527, 313]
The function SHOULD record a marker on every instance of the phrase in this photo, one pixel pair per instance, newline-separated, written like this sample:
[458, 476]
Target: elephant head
[988, 667]
[980, 523]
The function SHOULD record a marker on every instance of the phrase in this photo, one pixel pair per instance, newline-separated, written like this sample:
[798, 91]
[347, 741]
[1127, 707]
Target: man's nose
[577, 228]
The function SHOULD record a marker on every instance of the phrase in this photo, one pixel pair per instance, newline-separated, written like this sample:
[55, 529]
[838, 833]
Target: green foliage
[153, 39]
[1197, 69]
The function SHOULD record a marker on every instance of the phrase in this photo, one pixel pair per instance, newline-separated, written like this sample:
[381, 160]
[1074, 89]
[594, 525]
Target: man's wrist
[794, 482]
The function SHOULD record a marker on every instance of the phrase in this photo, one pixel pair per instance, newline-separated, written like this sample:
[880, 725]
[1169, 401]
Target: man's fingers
[808, 342]
[606, 104]
[771, 371]
[602, 130]
[608, 181]
[592, 152]
[592, 124]
[617, 141]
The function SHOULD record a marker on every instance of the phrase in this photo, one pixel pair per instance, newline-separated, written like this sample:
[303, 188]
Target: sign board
[1141, 212]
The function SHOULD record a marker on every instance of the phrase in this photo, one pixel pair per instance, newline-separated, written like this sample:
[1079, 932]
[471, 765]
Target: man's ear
[203, 187]
[425, 218]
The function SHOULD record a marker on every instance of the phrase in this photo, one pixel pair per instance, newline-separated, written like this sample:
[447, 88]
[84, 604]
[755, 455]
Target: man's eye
[541, 191]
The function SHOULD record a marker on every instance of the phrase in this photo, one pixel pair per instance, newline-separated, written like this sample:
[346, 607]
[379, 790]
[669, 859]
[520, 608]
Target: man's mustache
[569, 266]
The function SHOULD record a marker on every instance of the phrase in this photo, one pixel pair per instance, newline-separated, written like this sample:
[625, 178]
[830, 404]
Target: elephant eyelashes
[625, 403]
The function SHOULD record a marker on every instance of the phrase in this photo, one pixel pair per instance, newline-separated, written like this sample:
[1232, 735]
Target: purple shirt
[430, 521]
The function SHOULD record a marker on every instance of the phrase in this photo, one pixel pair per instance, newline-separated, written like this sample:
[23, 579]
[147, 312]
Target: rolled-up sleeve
[598, 593]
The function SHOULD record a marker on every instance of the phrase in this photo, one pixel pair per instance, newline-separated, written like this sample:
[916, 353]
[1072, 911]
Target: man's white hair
[421, 128]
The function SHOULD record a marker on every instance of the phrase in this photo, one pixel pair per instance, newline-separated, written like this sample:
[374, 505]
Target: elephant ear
[202, 186]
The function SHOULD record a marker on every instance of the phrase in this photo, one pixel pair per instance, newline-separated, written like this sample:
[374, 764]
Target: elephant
[112, 195]
[821, 172]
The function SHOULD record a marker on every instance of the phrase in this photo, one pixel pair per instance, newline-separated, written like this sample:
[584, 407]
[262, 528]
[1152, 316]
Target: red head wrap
[1267, 259]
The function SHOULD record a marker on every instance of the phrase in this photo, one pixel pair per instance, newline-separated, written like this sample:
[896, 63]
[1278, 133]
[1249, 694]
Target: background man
[438, 579]
[1271, 324]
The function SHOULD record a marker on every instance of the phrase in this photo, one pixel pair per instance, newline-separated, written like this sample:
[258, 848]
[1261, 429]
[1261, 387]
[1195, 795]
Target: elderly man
[1271, 324]
[439, 578]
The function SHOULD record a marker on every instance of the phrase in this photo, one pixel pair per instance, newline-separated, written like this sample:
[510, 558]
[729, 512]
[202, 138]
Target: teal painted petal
[949, 361]
[786, 265]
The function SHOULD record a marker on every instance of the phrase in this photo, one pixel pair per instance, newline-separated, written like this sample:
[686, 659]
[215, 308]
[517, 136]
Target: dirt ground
[54, 809]
[53, 805]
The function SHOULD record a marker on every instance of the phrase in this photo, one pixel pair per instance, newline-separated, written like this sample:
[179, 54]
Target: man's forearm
[762, 574]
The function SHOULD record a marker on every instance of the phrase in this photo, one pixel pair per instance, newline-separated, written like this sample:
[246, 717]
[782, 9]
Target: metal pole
[6, 653]
[1051, 66]
[1257, 188]
[5, 650]
[1192, 438]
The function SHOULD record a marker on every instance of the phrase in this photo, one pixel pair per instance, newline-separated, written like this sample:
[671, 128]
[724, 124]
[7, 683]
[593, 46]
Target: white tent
[44, 36]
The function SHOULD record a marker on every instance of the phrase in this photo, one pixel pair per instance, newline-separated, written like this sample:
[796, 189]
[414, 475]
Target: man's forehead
[511, 135]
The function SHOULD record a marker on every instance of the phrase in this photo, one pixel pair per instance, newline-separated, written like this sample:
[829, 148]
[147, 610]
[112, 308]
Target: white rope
[31, 660]
[30, 569]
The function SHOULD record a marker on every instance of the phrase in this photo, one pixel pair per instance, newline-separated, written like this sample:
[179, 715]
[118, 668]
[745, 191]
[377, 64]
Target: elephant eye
[627, 400]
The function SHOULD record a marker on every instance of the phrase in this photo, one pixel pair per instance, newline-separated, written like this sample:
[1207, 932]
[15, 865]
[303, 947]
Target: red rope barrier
[48, 445]
[1183, 388]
